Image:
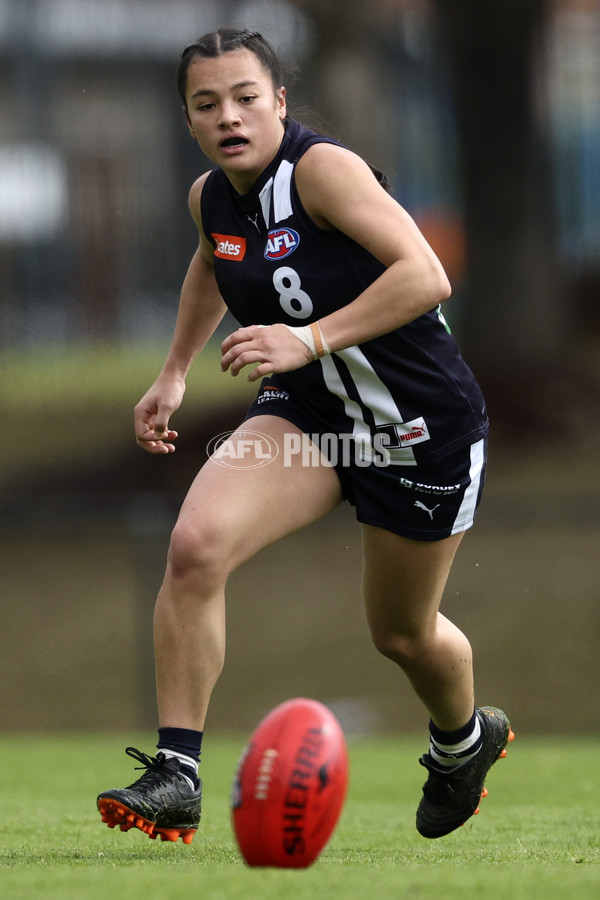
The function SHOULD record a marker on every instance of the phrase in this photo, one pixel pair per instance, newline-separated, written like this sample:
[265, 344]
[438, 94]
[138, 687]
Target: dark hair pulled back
[224, 40]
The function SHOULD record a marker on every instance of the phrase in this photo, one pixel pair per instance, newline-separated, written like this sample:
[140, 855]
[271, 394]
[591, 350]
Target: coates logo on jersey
[229, 247]
[281, 242]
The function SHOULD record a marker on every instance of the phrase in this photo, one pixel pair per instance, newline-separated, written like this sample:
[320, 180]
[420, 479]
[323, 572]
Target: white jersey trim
[466, 512]
[282, 192]
[279, 190]
[374, 396]
[265, 201]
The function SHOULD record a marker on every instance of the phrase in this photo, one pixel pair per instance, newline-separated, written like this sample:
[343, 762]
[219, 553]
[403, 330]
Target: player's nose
[229, 115]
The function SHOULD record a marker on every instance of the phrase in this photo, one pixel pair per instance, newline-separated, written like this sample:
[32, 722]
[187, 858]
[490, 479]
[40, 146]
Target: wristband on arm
[311, 337]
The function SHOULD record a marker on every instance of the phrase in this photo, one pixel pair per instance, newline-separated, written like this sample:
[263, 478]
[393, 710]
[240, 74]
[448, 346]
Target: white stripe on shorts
[466, 512]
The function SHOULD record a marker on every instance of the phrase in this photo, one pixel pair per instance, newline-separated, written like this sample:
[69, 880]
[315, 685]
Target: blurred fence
[95, 159]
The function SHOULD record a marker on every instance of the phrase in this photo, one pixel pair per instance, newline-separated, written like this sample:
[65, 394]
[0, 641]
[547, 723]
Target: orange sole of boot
[114, 813]
[485, 792]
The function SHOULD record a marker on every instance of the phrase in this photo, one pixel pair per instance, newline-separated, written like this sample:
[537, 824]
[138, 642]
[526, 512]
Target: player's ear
[280, 95]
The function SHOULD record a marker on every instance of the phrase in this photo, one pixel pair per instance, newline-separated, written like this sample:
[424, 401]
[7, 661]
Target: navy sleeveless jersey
[273, 264]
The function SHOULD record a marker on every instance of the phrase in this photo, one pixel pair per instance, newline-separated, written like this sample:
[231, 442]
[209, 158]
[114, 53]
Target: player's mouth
[234, 143]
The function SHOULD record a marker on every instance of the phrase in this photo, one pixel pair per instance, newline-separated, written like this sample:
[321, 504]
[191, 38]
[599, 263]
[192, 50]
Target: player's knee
[402, 649]
[197, 552]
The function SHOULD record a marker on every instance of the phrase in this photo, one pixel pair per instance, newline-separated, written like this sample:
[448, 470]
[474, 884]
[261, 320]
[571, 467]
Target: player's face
[235, 114]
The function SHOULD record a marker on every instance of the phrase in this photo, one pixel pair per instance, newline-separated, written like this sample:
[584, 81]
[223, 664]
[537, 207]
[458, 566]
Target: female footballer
[337, 294]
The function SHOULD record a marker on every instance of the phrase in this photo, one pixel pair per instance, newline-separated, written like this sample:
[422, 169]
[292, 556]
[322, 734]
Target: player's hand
[152, 414]
[273, 347]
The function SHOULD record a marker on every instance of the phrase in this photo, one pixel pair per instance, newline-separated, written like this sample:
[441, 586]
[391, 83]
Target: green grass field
[537, 835]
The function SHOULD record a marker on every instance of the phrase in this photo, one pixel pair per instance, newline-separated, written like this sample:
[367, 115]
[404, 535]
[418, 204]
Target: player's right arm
[201, 308]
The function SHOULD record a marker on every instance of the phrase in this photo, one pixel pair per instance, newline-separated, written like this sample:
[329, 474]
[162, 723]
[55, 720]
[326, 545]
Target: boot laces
[154, 765]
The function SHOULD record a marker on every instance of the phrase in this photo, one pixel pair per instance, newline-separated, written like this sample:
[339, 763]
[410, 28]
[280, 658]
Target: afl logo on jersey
[281, 242]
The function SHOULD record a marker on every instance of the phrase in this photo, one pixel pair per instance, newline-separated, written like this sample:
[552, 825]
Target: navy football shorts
[425, 502]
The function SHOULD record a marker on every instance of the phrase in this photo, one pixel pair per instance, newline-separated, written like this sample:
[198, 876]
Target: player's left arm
[339, 190]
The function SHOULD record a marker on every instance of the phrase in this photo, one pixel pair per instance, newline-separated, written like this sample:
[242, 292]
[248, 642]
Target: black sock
[185, 744]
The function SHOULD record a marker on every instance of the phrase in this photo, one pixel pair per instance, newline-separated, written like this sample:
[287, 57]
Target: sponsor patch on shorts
[271, 393]
[438, 490]
[405, 434]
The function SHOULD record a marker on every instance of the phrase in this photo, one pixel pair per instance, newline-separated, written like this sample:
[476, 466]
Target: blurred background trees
[486, 116]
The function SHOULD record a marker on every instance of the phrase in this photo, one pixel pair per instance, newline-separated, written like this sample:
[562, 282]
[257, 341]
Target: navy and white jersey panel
[273, 264]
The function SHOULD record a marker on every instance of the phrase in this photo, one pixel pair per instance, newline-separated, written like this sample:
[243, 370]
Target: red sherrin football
[290, 786]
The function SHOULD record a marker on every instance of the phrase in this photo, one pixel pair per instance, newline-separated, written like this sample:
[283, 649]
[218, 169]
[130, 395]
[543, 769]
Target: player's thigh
[404, 579]
[252, 493]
